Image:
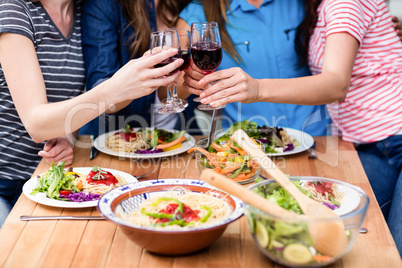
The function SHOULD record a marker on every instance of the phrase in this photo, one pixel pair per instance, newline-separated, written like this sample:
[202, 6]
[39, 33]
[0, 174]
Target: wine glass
[166, 40]
[184, 38]
[206, 50]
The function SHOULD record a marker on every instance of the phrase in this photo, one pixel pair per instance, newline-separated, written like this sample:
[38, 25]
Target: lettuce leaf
[55, 180]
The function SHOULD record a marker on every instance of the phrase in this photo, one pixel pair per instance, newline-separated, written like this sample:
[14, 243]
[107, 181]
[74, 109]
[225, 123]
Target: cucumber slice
[297, 254]
[277, 244]
[261, 234]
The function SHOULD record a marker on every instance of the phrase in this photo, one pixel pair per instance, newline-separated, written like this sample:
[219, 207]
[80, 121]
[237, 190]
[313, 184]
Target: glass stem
[174, 92]
[169, 98]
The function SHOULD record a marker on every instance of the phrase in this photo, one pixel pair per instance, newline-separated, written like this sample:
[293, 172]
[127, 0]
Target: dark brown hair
[136, 13]
[305, 30]
[215, 10]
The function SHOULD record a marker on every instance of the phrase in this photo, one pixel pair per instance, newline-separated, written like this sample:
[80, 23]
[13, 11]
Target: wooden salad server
[233, 188]
[329, 235]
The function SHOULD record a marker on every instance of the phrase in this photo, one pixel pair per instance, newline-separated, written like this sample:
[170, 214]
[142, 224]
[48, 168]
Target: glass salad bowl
[237, 167]
[287, 240]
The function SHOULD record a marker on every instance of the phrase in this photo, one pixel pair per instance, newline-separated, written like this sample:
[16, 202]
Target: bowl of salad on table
[287, 240]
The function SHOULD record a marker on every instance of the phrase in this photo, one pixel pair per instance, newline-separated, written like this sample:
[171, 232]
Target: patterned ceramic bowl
[120, 202]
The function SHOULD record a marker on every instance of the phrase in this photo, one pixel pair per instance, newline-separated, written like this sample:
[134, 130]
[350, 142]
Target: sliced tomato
[65, 192]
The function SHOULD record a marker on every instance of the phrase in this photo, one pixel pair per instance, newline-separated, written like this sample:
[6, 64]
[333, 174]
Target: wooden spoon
[233, 188]
[329, 236]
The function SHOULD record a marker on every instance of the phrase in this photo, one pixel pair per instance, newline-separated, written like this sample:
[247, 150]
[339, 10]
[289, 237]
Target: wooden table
[66, 243]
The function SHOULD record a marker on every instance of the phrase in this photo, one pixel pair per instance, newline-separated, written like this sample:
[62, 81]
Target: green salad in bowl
[287, 240]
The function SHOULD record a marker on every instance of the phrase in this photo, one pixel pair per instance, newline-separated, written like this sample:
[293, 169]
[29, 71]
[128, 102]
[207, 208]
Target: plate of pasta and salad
[74, 187]
[275, 141]
[144, 143]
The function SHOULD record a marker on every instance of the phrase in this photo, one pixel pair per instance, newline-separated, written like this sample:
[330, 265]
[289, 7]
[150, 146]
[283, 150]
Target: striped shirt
[372, 110]
[62, 66]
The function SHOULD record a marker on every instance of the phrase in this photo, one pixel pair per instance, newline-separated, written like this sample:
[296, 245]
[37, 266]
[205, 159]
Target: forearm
[312, 90]
[43, 123]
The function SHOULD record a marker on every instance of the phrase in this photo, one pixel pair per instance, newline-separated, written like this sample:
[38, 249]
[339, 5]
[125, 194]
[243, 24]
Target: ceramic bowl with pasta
[171, 216]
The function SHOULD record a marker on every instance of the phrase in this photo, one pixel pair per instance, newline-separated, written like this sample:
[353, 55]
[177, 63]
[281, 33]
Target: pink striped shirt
[372, 110]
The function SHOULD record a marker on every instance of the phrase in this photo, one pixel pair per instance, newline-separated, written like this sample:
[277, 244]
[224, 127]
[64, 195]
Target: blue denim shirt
[264, 38]
[106, 39]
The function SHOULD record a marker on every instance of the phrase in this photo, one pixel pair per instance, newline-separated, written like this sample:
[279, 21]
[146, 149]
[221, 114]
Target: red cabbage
[81, 196]
[333, 207]
[289, 147]
[149, 151]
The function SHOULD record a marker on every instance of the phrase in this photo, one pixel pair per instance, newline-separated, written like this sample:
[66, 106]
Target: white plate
[100, 144]
[304, 139]
[44, 200]
[349, 201]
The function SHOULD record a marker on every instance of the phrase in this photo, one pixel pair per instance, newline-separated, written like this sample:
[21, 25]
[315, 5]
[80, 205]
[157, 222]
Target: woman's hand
[397, 26]
[139, 78]
[233, 85]
[58, 150]
[191, 78]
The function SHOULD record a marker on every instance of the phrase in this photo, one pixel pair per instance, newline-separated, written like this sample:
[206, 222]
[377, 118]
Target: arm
[44, 120]
[331, 85]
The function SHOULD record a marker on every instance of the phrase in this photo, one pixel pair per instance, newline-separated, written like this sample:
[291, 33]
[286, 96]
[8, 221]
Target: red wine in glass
[185, 55]
[206, 51]
[166, 62]
[206, 56]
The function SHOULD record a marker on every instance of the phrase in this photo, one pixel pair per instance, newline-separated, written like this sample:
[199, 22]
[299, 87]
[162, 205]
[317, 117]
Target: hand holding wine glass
[206, 50]
[184, 53]
[166, 40]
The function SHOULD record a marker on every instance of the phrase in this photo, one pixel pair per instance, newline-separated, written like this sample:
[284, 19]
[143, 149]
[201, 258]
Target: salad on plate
[272, 139]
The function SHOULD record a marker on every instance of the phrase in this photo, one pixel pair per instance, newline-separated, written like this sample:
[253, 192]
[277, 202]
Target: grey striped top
[62, 65]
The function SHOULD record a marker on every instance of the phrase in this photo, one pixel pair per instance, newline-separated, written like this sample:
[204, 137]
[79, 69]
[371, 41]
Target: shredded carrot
[217, 147]
[199, 149]
[243, 176]
[322, 258]
[167, 145]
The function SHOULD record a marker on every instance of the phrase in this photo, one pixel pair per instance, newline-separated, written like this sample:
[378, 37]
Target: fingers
[49, 144]
[60, 151]
[233, 86]
[191, 85]
[222, 87]
[194, 72]
[225, 96]
[148, 63]
[162, 81]
[191, 78]
[222, 74]
[57, 154]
